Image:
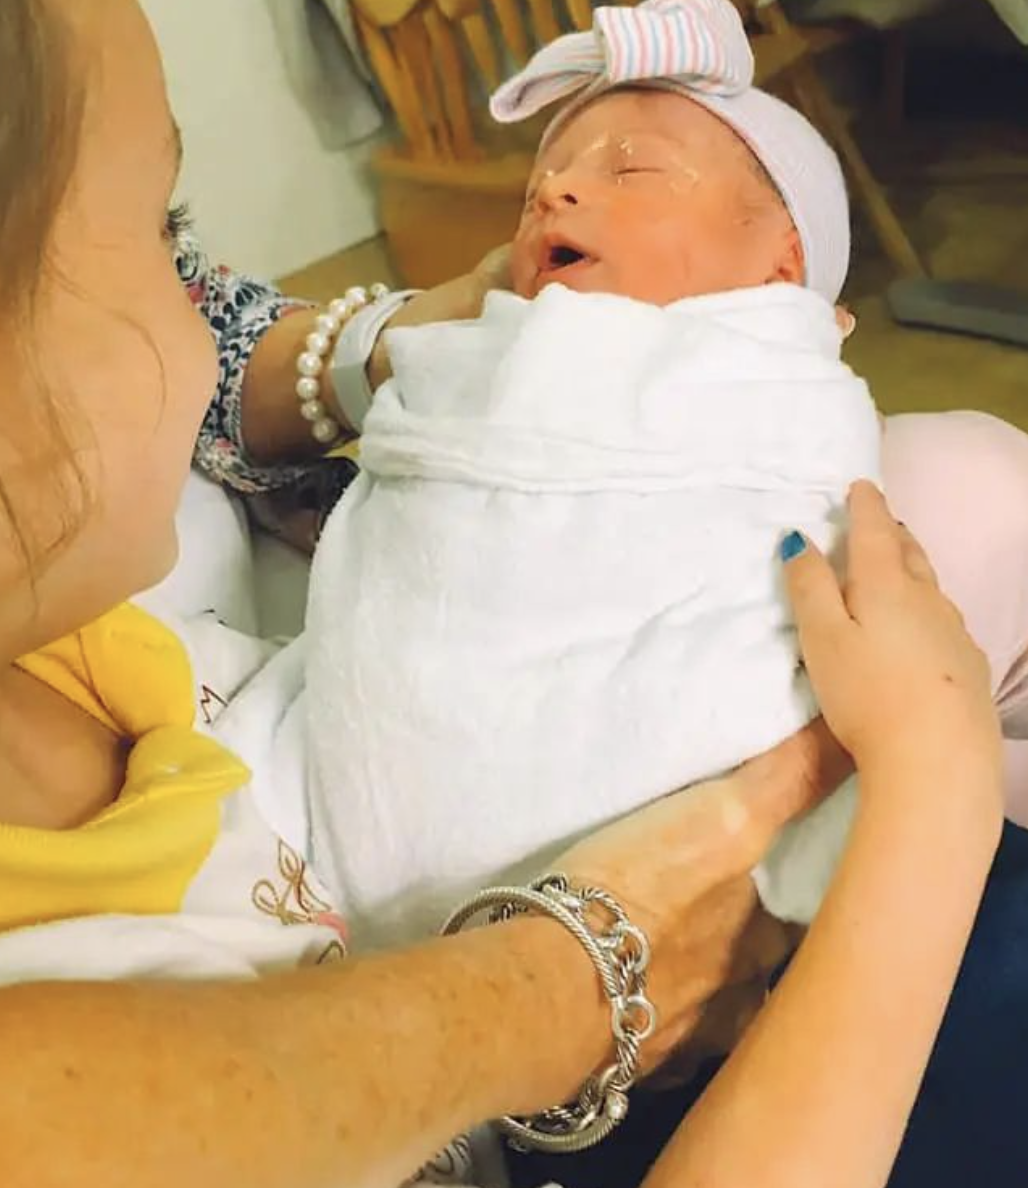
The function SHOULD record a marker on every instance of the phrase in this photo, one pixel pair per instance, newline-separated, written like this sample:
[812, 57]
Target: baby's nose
[556, 190]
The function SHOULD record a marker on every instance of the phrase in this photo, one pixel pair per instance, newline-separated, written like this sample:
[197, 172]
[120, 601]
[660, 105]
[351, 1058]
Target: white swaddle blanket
[553, 595]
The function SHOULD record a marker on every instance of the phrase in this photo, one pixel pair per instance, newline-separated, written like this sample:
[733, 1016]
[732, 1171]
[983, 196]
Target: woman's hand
[273, 429]
[893, 666]
[456, 300]
[681, 868]
[492, 272]
[806, 1098]
[894, 669]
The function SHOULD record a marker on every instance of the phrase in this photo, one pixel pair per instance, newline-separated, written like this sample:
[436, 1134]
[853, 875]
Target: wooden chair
[451, 185]
[811, 96]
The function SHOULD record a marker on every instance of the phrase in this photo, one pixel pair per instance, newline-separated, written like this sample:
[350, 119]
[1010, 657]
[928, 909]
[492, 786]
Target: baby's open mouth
[563, 255]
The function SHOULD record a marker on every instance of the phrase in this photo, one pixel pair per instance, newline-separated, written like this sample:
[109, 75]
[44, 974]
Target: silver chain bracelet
[620, 952]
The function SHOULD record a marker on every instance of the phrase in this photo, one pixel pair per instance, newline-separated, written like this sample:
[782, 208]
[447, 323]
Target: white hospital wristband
[347, 369]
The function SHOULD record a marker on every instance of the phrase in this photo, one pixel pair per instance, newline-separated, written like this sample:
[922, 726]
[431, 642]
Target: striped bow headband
[701, 44]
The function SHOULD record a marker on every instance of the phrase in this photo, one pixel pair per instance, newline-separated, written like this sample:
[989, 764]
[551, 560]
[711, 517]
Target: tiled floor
[963, 194]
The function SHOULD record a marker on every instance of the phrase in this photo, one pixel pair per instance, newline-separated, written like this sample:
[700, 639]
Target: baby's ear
[846, 320]
[790, 267]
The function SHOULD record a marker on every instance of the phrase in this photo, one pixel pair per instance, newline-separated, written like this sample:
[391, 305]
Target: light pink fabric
[700, 43]
[959, 481]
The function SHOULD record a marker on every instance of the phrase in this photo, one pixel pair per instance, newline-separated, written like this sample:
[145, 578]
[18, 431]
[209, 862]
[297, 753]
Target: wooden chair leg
[822, 110]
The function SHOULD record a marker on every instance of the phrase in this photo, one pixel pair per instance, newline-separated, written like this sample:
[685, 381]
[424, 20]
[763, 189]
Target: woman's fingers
[880, 546]
[874, 548]
[915, 558]
[794, 776]
[888, 655]
[493, 270]
[817, 602]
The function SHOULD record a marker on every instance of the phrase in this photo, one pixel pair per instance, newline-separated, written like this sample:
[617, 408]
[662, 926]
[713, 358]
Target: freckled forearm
[358, 1073]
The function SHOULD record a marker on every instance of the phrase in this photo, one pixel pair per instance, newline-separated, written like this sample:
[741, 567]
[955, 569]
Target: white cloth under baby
[552, 595]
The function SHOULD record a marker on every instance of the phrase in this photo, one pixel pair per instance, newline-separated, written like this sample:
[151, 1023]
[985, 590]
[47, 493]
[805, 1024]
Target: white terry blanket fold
[553, 595]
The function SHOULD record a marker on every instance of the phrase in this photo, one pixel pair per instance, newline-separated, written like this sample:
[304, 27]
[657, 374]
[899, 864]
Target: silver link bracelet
[621, 953]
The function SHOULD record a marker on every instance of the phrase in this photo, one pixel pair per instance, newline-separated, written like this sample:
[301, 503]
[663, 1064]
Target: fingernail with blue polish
[792, 545]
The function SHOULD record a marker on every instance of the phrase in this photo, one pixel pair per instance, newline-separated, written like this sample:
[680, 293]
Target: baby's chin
[586, 276]
[591, 280]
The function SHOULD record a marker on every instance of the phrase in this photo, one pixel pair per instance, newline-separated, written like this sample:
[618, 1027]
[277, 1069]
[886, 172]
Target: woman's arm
[357, 1074]
[821, 1087]
[354, 1076]
[253, 437]
[244, 314]
[459, 298]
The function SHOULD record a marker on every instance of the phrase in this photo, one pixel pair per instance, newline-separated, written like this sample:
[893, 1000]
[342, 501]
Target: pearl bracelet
[325, 428]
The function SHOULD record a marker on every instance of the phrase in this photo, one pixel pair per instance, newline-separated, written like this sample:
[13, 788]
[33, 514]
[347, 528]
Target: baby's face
[648, 195]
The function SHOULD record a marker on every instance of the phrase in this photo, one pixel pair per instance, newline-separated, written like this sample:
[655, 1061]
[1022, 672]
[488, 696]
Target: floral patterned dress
[239, 311]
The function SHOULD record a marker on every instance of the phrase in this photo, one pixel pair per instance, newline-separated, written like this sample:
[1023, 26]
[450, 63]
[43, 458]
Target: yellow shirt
[140, 855]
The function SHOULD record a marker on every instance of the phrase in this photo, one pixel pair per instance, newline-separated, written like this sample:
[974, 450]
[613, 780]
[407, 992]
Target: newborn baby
[646, 194]
[553, 594]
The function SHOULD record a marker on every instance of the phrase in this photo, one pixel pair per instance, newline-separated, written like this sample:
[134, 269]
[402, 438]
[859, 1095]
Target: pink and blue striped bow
[700, 44]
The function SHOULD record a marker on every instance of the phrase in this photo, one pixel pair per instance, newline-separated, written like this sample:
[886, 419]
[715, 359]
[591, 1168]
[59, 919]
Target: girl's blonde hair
[40, 120]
